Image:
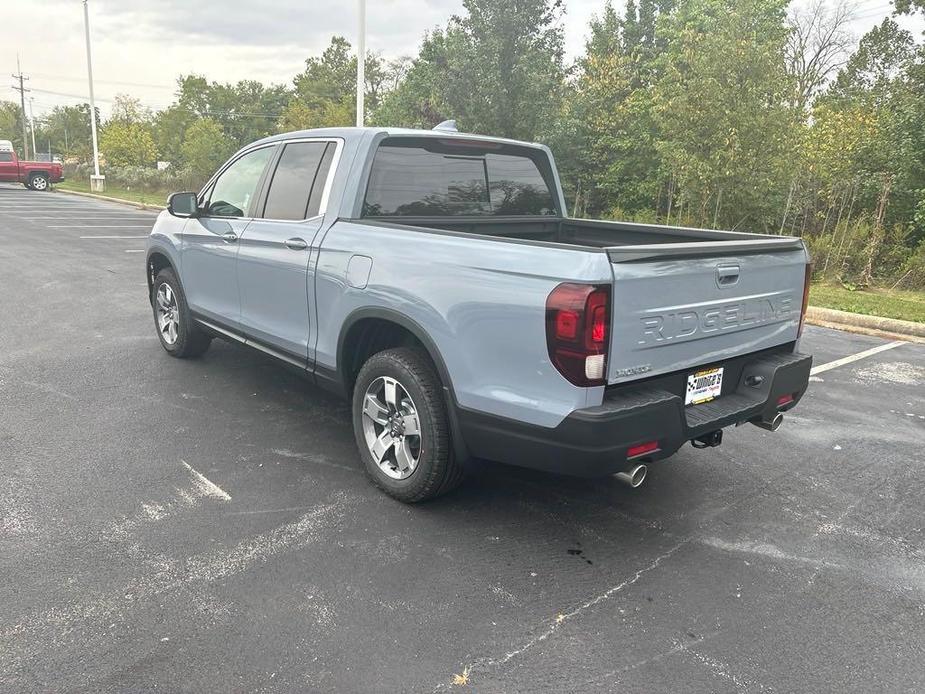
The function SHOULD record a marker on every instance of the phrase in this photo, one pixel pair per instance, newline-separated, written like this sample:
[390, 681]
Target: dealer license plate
[703, 386]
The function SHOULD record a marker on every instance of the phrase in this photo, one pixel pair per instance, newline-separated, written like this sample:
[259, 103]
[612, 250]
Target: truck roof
[355, 133]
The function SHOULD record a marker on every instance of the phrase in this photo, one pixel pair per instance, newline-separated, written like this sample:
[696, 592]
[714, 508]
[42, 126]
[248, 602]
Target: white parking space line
[26, 208]
[205, 485]
[855, 357]
[134, 250]
[113, 237]
[98, 226]
[76, 217]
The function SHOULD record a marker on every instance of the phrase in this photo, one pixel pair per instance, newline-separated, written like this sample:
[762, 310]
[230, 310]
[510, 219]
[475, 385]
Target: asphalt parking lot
[205, 525]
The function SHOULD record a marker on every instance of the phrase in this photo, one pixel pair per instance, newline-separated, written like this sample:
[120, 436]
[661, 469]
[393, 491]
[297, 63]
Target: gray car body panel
[480, 300]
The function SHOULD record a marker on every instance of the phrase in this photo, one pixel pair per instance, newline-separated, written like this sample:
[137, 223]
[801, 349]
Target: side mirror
[183, 204]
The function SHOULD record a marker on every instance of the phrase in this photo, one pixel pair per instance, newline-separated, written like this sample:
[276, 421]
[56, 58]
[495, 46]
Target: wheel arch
[363, 319]
[157, 260]
[347, 368]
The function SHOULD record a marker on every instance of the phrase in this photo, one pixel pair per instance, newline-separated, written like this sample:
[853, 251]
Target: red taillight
[566, 325]
[784, 400]
[807, 279]
[577, 317]
[641, 449]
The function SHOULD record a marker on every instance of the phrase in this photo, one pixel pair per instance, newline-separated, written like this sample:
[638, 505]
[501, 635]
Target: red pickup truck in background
[35, 175]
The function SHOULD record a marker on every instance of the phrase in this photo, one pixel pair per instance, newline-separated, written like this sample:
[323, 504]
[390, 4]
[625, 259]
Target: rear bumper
[594, 441]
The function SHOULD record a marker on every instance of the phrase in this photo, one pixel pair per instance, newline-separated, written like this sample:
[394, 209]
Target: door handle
[296, 244]
[229, 237]
[727, 275]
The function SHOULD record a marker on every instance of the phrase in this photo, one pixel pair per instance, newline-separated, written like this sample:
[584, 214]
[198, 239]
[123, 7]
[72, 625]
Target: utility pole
[32, 126]
[22, 102]
[361, 62]
[97, 182]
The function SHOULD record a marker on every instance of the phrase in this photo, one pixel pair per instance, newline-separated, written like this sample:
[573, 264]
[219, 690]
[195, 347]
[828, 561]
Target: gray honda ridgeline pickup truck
[435, 279]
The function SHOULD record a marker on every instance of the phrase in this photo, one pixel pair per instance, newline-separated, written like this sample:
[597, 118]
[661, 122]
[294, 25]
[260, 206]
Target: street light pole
[97, 182]
[361, 63]
[32, 125]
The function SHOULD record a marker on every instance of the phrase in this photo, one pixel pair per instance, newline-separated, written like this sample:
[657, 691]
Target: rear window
[422, 177]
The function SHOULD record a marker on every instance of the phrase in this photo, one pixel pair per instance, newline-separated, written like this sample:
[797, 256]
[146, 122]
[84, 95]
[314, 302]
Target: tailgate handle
[727, 275]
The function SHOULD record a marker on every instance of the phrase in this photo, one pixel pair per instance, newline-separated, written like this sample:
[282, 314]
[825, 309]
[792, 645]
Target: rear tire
[38, 182]
[401, 427]
[179, 334]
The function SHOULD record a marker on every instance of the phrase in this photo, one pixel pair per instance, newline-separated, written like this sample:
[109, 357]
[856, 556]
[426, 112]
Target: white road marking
[113, 237]
[134, 250]
[134, 218]
[98, 226]
[855, 357]
[205, 485]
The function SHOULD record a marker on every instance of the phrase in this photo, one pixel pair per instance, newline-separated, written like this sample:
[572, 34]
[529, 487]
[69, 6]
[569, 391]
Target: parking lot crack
[561, 619]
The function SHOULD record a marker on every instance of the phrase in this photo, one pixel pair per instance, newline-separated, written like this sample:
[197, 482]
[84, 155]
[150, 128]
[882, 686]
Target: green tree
[498, 70]
[68, 128]
[169, 129]
[419, 99]
[11, 124]
[607, 144]
[325, 92]
[205, 147]
[722, 107]
[127, 144]
[909, 6]
[246, 110]
[885, 78]
[128, 109]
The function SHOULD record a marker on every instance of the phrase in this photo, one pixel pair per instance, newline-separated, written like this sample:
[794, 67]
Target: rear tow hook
[711, 440]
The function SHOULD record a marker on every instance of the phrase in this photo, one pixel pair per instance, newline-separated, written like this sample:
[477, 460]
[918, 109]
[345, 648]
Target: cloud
[392, 27]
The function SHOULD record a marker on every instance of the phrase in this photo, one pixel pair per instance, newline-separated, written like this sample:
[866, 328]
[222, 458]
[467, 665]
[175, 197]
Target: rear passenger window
[295, 181]
[6, 156]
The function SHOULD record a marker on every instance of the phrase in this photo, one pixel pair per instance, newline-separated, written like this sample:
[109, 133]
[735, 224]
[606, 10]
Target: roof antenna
[447, 126]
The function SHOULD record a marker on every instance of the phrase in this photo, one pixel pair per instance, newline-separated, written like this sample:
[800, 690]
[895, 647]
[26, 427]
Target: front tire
[400, 425]
[179, 335]
[38, 182]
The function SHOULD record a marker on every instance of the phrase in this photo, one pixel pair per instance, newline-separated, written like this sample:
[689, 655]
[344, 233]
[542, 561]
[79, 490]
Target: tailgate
[697, 308]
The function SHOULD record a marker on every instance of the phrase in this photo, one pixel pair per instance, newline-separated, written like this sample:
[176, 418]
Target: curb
[130, 203]
[866, 325]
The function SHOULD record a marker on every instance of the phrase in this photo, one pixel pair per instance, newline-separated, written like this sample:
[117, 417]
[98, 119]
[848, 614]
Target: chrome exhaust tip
[633, 476]
[770, 424]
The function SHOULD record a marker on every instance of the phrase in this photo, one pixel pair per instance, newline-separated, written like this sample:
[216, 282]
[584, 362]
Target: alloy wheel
[168, 314]
[391, 428]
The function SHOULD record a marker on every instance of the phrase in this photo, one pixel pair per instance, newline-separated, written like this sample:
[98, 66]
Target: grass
[885, 303]
[155, 198]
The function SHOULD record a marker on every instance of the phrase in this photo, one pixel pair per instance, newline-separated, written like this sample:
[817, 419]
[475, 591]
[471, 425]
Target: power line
[162, 106]
[65, 78]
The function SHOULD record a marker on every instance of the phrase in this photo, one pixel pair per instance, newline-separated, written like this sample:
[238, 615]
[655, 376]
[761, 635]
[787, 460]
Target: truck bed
[729, 293]
[624, 241]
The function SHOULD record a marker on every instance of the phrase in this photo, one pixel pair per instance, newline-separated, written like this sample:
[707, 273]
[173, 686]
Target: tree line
[734, 114]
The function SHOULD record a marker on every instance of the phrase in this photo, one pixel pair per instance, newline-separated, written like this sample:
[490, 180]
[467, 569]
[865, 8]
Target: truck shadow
[501, 494]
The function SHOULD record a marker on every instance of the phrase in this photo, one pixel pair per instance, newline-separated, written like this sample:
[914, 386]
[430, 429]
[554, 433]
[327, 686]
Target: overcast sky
[141, 46]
